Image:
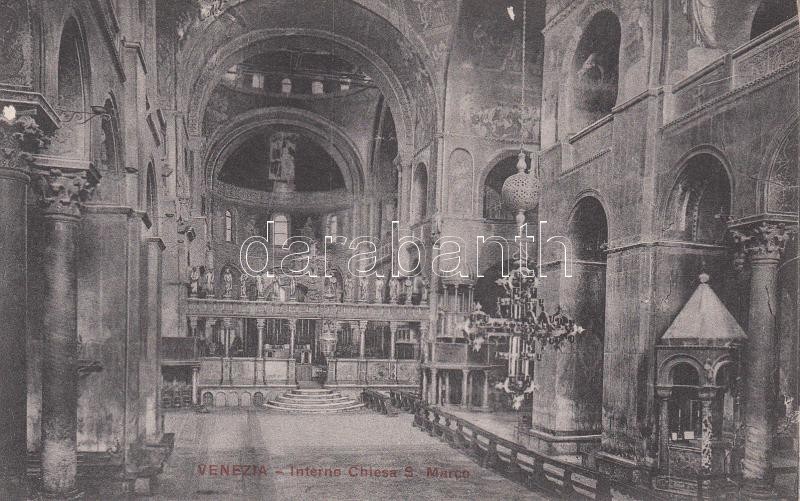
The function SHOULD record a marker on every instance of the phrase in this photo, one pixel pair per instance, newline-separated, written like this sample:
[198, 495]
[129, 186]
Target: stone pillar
[663, 394]
[485, 402]
[193, 326]
[434, 398]
[465, 388]
[392, 339]
[260, 322]
[226, 323]
[764, 243]
[362, 340]
[292, 332]
[707, 439]
[446, 388]
[424, 384]
[14, 180]
[195, 381]
[61, 195]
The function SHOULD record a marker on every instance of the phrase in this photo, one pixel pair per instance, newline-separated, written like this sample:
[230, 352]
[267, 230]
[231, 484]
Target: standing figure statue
[209, 282]
[362, 289]
[408, 287]
[260, 287]
[194, 281]
[394, 290]
[243, 286]
[349, 291]
[424, 290]
[227, 280]
[380, 283]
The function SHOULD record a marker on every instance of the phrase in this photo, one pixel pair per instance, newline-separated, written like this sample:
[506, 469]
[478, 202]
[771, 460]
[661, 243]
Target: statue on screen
[282, 150]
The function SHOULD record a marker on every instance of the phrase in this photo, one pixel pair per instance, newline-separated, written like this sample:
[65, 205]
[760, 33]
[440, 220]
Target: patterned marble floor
[342, 453]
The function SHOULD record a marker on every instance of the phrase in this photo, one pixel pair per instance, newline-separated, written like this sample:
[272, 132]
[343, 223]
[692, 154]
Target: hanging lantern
[521, 190]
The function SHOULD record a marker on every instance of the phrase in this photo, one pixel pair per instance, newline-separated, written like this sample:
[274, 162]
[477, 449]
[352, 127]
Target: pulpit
[696, 357]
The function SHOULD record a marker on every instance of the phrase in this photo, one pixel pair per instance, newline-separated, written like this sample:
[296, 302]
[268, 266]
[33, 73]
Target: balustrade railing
[534, 470]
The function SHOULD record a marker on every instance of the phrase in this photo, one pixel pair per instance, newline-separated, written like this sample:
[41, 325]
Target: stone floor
[279, 445]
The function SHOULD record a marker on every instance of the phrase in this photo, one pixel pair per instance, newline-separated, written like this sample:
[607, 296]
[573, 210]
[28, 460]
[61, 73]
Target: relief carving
[65, 191]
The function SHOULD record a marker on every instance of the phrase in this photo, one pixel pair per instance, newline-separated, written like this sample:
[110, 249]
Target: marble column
[260, 322]
[446, 388]
[61, 193]
[763, 242]
[424, 384]
[434, 397]
[464, 387]
[663, 394]
[362, 340]
[195, 381]
[226, 329]
[485, 402]
[14, 180]
[392, 339]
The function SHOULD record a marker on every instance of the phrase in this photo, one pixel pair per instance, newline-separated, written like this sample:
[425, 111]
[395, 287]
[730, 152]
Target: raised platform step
[314, 401]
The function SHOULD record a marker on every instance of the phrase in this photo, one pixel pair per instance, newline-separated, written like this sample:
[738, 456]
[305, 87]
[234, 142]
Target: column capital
[193, 321]
[63, 191]
[763, 240]
[20, 138]
[227, 322]
[261, 322]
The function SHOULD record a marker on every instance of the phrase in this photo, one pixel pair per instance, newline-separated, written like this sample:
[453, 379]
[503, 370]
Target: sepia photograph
[399, 249]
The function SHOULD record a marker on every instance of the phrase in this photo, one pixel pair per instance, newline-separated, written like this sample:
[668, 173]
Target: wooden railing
[534, 470]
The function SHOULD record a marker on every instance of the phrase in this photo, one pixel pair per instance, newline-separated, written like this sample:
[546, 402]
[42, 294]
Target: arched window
[493, 207]
[73, 81]
[596, 70]
[700, 201]
[771, 13]
[419, 195]
[228, 226]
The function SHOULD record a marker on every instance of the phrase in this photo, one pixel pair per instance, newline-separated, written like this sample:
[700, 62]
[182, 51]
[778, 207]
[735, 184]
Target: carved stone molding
[64, 191]
[763, 240]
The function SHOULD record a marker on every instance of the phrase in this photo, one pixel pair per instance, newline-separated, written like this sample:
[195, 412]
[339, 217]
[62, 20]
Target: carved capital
[260, 322]
[64, 191]
[19, 140]
[763, 240]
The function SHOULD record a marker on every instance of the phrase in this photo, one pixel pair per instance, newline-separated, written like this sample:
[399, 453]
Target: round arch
[406, 83]
[777, 171]
[664, 377]
[689, 177]
[342, 149]
[568, 74]
[72, 88]
[588, 227]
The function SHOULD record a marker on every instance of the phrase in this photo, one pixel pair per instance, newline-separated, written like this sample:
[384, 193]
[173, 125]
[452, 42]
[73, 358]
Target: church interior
[164, 160]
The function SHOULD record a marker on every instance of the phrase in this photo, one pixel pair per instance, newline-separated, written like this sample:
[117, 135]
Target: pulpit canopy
[704, 335]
